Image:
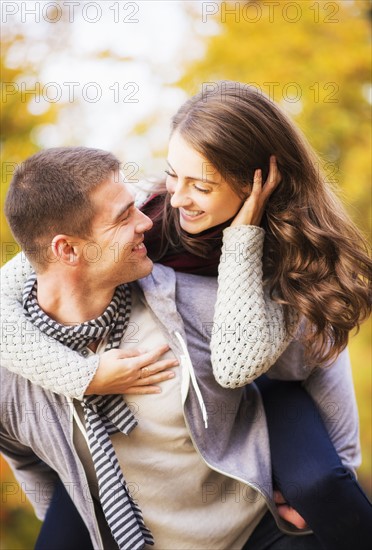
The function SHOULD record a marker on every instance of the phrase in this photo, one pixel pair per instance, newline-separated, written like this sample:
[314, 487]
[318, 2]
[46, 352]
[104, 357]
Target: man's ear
[66, 249]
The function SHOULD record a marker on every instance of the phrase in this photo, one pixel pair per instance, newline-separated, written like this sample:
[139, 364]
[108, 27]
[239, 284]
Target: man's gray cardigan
[37, 425]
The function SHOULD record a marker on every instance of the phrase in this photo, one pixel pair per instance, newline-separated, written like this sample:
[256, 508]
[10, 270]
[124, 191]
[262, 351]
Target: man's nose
[144, 223]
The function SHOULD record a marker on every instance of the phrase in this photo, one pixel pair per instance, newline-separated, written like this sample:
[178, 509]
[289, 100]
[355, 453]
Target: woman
[313, 263]
[315, 260]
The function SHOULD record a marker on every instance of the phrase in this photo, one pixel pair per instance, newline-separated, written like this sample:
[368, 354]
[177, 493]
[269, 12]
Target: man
[194, 472]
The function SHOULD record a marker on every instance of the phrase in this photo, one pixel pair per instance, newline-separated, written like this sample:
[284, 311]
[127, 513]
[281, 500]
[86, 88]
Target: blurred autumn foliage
[313, 58]
[22, 114]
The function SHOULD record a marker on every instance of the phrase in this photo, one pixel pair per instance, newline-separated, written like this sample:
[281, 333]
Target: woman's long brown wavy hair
[315, 259]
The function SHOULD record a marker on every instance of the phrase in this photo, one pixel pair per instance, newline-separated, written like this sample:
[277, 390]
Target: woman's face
[204, 199]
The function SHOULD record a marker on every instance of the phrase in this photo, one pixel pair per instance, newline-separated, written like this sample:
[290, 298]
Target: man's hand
[254, 206]
[131, 372]
[287, 512]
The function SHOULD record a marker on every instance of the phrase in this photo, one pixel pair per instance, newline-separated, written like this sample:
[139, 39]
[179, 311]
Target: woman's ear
[246, 191]
[66, 250]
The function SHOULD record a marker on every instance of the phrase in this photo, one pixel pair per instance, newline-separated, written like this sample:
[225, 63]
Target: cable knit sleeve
[249, 331]
[30, 353]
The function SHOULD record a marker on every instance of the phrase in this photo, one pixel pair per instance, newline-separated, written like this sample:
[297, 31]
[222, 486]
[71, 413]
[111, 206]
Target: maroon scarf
[177, 257]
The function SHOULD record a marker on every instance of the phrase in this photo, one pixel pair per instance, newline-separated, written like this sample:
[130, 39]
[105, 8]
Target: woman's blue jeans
[308, 471]
[63, 528]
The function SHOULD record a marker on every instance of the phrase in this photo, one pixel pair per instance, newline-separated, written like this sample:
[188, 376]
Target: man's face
[115, 252]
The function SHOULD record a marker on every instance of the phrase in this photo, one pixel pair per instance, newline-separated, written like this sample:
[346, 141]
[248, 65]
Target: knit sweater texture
[248, 332]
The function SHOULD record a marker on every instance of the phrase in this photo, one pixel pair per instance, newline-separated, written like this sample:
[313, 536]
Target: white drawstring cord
[77, 419]
[193, 378]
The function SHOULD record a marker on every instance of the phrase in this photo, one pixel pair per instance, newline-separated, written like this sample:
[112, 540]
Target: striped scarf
[104, 415]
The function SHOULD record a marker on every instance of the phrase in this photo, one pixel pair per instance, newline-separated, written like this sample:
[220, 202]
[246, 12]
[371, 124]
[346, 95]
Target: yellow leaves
[315, 54]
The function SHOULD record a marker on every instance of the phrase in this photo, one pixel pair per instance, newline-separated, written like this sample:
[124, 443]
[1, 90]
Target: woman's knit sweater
[248, 333]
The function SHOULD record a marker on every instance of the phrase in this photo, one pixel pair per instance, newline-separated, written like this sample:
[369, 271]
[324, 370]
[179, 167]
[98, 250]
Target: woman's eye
[170, 174]
[201, 189]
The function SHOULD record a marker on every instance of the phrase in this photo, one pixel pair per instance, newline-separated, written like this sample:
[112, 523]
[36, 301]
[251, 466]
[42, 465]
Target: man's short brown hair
[50, 194]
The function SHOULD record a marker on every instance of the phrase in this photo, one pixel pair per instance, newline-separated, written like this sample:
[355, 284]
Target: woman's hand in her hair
[254, 206]
[131, 371]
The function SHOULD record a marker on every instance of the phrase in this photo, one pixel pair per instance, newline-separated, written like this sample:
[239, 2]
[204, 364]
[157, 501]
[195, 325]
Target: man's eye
[126, 216]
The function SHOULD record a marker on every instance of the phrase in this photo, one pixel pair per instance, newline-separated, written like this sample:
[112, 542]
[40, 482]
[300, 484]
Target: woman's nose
[178, 194]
